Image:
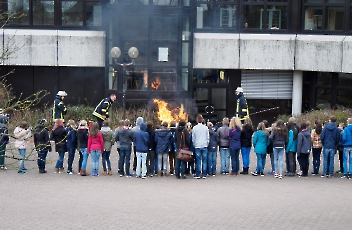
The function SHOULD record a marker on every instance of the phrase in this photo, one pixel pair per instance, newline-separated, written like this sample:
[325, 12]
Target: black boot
[244, 171]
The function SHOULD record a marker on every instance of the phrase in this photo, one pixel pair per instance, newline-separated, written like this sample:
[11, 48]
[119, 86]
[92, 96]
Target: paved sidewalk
[61, 201]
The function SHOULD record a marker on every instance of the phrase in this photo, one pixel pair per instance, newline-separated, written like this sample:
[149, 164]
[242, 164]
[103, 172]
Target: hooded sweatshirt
[303, 142]
[162, 139]
[141, 139]
[108, 137]
[330, 136]
[125, 137]
[347, 136]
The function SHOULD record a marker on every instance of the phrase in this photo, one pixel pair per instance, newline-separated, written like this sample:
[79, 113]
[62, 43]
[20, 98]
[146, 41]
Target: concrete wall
[283, 52]
[54, 47]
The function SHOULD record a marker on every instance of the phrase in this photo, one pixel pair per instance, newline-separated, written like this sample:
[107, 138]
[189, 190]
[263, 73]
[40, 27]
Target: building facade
[289, 56]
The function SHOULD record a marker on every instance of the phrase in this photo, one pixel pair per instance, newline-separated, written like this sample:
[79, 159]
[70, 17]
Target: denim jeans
[211, 162]
[225, 159]
[41, 158]
[80, 160]
[278, 162]
[71, 155]
[105, 160]
[95, 155]
[2, 155]
[329, 155]
[201, 158]
[245, 156]
[180, 167]
[150, 162]
[272, 162]
[347, 159]
[125, 158]
[261, 159]
[60, 161]
[23, 156]
[316, 159]
[141, 161]
[235, 162]
[163, 162]
[85, 158]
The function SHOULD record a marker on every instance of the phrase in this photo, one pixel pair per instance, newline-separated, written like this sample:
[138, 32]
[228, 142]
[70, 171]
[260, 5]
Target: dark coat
[151, 145]
[182, 141]
[71, 138]
[82, 137]
[246, 136]
[59, 109]
[235, 138]
[330, 136]
[59, 136]
[41, 139]
[162, 139]
[213, 141]
[141, 139]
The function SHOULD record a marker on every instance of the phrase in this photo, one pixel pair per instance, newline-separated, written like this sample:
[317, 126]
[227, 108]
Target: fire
[165, 114]
[155, 84]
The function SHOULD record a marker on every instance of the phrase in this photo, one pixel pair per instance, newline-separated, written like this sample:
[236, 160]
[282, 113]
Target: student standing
[278, 137]
[235, 144]
[212, 150]
[316, 146]
[22, 133]
[260, 143]
[95, 147]
[141, 140]
[71, 144]
[58, 135]
[42, 144]
[200, 139]
[246, 144]
[108, 137]
[82, 138]
[303, 148]
[347, 149]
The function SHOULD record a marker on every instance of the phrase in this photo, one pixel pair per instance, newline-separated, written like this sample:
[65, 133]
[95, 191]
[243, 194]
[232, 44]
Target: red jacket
[96, 143]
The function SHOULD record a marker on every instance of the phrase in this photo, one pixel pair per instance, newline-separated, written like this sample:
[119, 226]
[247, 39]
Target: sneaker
[143, 177]
[313, 174]
[276, 175]
[129, 175]
[183, 177]
[226, 173]
[322, 176]
[329, 176]
[254, 174]
[79, 172]
[261, 174]
[204, 177]
[343, 176]
[280, 176]
[223, 173]
[70, 173]
[196, 177]
[214, 174]
[299, 173]
[3, 168]
[339, 171]
[121, 175]
[21, 172]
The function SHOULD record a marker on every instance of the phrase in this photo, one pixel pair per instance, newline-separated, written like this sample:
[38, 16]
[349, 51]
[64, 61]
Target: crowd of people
[155, 147]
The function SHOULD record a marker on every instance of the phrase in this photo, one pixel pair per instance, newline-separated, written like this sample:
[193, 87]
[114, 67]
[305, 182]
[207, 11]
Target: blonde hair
[261, 126]
[72, 124]
[235, 122]
[83, 123]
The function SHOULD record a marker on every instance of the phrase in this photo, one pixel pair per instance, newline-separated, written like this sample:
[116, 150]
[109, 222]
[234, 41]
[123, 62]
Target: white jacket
[22, 136]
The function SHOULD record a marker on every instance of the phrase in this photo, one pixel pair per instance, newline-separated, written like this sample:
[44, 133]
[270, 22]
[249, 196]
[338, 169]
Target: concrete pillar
[297, 92]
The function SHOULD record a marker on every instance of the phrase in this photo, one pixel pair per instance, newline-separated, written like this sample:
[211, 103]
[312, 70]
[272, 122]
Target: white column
[297, 92]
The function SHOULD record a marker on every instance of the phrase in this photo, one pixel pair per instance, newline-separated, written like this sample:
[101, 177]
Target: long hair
[281, 128]
[318, 127]
[261, 126]
[58, 123]
[94, 130]
[72, 124]
[248, 122]
[235, 122]
[291, 126]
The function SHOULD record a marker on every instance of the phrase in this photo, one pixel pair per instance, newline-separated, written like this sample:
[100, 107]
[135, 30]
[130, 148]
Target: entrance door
[211, 101]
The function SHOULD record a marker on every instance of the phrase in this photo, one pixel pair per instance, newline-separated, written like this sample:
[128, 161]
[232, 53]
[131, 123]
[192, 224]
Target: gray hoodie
[303, 142]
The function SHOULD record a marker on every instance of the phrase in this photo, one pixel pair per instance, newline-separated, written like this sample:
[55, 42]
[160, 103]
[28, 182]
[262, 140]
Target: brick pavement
[52, 201]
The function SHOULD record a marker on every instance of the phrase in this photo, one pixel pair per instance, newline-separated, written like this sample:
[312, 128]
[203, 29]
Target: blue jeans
[85, 158]
[261, 159]
[95, 155]
[235, 162]
[41, 158]
[60, 161]
[163, 162]
[225, 159]
[201, 157]
[71, 155]
[23, 156]
[211, 162]
[125, 158]
[329, 155]
[105, 160]
[141, 161]
[245, 156]
[316, 159]
[278, 162]
[347, 159]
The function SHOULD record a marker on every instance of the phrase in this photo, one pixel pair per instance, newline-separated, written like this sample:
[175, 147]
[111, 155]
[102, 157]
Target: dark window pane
[43, 12]
[313, 1]
[163, 80]
[165, 2]
[277, 17]
[323, 98]
[135, 27]
[210, 76]
[277, 0]
[18, 12]
[136, 79]
[335, 1]
[334, 18]
[228, 16]
[204, 16]
[344, 98]
[164, 28]
[72, 13]
[253, 16]
[94, 14]
[345, 79]
[134, 2]
[313, 19]
[324, 78]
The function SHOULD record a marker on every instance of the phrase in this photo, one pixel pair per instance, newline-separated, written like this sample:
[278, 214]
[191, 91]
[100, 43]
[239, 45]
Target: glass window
[345, 79]
[43, 12]
[135, 27]
[277, 0]
[253, 16]
[185, 78]
[335, 1]
[173, 53]
[72, 13]
[134, 2]
[277, 17]
[314, 1]
[136, 78]
[344, 98]
[18, 11]
[186, 2]
[94, 14]
[209, 76]
[185, 53]
[186, 30]
[142, 49]
[334, 18]
[323, 96]
[313, 19]
[164, 28]
[324, 78]
[228, 16]
[113, 78]
[204, 16]
[163, 80]
[165, 2]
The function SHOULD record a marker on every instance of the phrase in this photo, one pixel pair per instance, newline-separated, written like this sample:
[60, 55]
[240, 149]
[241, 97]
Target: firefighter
[101, 112]
[241, 105]
[59, 108]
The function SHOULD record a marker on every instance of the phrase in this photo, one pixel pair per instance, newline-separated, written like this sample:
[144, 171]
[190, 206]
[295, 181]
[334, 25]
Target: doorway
[211, 101]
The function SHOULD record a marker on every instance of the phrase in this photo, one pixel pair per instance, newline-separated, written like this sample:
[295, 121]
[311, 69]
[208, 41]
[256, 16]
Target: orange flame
[155, 84]
[165, 114]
